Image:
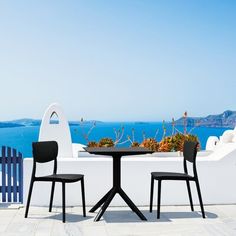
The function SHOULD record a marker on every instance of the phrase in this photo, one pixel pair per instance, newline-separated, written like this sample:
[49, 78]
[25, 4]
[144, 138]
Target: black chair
[190, 153]
[45, 152]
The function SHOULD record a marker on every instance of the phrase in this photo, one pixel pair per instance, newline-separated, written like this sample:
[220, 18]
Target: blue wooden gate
[11, 163]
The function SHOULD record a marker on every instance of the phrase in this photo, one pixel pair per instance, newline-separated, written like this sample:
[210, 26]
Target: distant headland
[227, 119]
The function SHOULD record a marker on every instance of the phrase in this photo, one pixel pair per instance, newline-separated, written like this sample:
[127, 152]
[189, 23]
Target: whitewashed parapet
[228, 137]
[217, 174]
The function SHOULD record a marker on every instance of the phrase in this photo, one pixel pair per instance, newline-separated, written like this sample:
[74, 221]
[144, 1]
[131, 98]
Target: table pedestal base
[106, 200]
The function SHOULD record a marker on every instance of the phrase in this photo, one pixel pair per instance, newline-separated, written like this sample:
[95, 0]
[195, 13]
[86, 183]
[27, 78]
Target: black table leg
[131, 204]
[106, 200]
[100, 202]
[105, 205]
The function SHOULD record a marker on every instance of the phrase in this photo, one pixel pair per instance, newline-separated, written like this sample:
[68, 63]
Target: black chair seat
[171, 176]
[67, 178]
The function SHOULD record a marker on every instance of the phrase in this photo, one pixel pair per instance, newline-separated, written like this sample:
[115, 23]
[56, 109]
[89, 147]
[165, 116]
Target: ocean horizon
[21, 138]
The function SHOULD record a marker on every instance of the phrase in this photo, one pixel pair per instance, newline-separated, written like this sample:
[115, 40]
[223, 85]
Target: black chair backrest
[45, 151]
[190, 151]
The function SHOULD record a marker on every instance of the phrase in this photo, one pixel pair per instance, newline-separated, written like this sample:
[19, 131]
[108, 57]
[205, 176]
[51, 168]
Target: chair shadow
[70, 218]
[128, 216]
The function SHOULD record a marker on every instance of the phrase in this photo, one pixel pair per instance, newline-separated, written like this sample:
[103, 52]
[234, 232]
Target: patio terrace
[119, 221]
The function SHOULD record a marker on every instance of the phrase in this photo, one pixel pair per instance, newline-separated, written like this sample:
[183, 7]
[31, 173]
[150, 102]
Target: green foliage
[150, 143]
[106, 142]
[135, 144]
[176, 142]
[92, 144]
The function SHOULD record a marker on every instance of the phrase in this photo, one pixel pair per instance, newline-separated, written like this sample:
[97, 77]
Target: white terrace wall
[217, 176]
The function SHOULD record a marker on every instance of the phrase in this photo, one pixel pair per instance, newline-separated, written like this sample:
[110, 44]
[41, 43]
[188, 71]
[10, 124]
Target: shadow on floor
[70, 218]
[130, 217]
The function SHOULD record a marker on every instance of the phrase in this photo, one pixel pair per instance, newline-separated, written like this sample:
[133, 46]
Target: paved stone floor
[119, 221]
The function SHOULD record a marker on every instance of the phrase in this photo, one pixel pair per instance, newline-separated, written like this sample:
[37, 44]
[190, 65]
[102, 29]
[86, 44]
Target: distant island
[227, 119]
[9, 125]
[27, 122]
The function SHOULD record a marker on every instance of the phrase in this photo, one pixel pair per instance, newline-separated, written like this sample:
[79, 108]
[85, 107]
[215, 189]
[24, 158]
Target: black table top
[111, 151]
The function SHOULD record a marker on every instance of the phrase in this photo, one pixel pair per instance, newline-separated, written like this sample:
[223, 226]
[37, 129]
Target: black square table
[116, 154]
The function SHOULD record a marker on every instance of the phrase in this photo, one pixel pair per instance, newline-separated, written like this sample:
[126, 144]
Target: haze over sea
[21, 138]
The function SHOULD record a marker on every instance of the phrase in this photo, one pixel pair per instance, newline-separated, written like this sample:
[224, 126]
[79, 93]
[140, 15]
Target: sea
[21, 138]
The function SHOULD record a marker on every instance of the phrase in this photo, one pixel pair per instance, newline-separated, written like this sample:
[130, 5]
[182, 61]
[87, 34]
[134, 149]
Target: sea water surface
[21, 138]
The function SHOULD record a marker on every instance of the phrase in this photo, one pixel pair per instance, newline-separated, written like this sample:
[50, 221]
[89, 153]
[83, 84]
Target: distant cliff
[27, 122]
[226, 119]
[9, 125]
[19, 123]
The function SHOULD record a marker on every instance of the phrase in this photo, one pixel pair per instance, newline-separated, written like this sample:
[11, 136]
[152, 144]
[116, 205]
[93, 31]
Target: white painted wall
[217, 176]
[59, 132]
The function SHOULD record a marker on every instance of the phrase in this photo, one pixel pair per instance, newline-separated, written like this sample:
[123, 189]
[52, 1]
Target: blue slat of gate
[12, 164]
[3, 174]
[14, 176]
[20, 178]
[8, 174]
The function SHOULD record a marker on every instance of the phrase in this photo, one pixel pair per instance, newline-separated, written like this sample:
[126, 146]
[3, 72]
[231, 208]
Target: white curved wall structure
[58, 131]
[212, 141]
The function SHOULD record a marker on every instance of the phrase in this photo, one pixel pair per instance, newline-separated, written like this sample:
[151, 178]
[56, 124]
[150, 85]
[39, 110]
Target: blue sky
[117, 60]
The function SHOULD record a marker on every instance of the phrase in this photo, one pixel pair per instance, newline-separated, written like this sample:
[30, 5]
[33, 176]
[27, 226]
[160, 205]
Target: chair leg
[151, 193]
[83, 196]
[29, 198]
[51, 198]
[63, 203]
[200, 198]
[159, 199]
[190, 195]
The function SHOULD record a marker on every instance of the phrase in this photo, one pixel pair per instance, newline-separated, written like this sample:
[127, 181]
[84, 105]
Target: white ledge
[216, 171]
